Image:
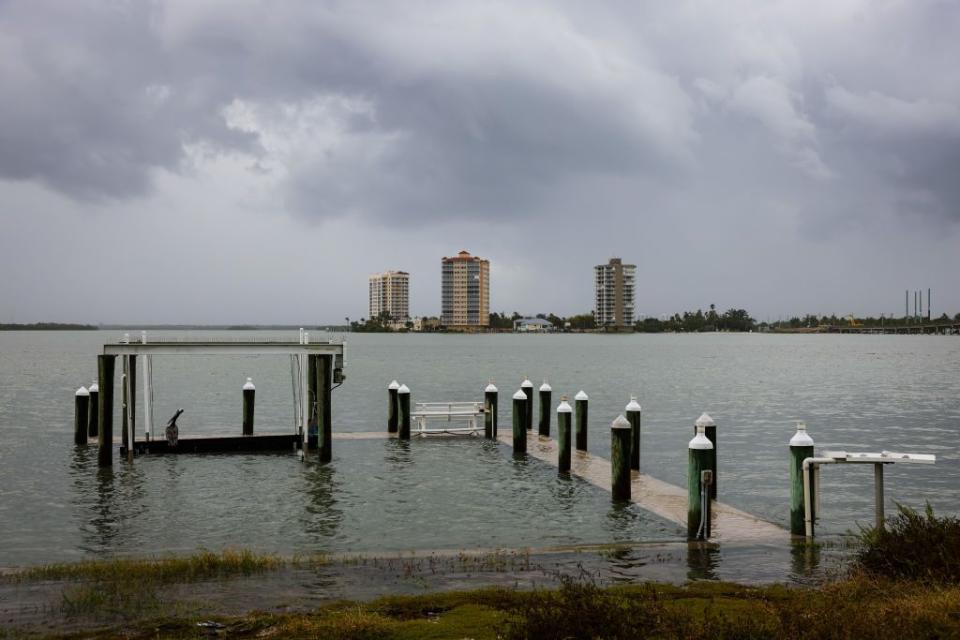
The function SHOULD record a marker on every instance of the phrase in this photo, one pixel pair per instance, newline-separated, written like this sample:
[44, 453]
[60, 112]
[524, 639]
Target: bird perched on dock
[173, 432]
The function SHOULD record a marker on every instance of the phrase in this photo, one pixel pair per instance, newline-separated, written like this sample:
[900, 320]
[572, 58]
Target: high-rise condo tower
[465, 300]
[614, 285]
[390, 292]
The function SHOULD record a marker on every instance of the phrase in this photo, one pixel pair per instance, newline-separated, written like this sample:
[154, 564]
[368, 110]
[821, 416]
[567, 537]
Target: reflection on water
[322, 517]
[102, 519]
[703, 559]
[804, 560]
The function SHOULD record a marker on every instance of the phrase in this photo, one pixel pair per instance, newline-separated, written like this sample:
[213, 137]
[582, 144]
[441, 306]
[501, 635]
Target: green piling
[527, 387]
[393, 421]
[249, 399]
[490, 411]
[124, 369]
[403, 403]
[313, 398]
[801, 448]
[325, 407]
[545, 406]
[633, 411]
[93, 414]
[564, 414]
[620, 458]
[580, 401]
[81, 413]
[698, 501]
[105, 367]
[131, 428]
[520, 422]
[710, 430]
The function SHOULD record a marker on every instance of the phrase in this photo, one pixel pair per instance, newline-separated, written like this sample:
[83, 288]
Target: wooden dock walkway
[665, 500]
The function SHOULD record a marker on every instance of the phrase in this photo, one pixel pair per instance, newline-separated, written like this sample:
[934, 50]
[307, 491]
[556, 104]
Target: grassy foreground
[857, 607]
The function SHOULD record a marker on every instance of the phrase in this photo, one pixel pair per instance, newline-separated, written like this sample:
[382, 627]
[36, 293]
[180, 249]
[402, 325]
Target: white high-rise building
[614, 283]
[390, 292]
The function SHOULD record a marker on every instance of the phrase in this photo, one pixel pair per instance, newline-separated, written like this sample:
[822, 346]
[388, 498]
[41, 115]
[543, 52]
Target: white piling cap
[801, 438]
[545, 386]
[94, 388]
[393, 385]
[526, 383]
[491, 388]
[704, 421]
[82, 391]
[519, 395]
[403, 389]
[621, 423]
[306, 337]
[249, 385]
[564, 406]
[581, 395]
[700, 441]
[633, 405]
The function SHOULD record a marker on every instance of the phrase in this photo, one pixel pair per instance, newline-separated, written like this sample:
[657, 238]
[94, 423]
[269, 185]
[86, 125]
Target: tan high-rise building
[614, 284]
[390, 292]
[465, 291]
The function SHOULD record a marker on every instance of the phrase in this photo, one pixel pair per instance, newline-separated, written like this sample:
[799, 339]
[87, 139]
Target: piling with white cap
[580, 401]
[81, 414]
[490, 411]
[564, 414]
[249, 398]
[620, 458]
[801, 448]
[403, 402]
[392, 408]
[93, 413]
[527, 387]
[710, 430]
[545, 393]
[699, 477]
[106, 364]
[520, 421]
[633, 412]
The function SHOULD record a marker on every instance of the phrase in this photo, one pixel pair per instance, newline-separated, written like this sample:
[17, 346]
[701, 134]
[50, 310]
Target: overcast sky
[231, 162]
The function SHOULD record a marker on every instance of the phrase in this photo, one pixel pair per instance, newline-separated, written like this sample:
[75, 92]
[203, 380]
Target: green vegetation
[854, 608]
[383, 323]
[913, 546]
[48, 326]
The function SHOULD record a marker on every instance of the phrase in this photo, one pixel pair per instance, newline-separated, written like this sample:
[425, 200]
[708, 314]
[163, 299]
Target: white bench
[447, 417]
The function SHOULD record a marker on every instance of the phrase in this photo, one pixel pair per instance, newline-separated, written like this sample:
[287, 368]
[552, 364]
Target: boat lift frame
[298, 351]
[878, 460]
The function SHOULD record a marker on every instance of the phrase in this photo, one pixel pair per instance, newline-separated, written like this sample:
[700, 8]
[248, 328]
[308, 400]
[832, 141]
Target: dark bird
[173, 433]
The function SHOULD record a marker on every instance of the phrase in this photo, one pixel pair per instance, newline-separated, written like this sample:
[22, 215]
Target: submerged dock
[656, 496]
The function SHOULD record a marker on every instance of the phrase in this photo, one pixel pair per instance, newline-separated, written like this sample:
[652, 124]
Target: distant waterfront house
[532, 325]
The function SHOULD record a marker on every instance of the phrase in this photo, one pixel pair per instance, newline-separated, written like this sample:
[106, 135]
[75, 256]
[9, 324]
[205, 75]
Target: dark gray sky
[217, 162]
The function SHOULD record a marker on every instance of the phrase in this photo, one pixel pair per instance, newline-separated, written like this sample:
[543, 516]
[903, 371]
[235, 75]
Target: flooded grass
[204, 565]
[857, 607]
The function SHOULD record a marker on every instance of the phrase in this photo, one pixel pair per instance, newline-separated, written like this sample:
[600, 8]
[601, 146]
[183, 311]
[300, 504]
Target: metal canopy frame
[296, 350]
[850, 457]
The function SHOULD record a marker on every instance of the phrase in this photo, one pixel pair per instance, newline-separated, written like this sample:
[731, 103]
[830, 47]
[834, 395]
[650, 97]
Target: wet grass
[857, 607]
[205, 565]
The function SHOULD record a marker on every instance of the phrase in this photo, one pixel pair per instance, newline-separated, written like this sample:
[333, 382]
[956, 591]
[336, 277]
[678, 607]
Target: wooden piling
[564, 414]
[527, 387]
[403, 404]
[580, 400]
[801, 448]
[545, 407]
[520, 421]
[633, 411]
[93, 415]
[620, 435]
[81, 414]
[710, 430]
[313, 397]
[392, 409]
[124, 366]
[698, 502]
[105, 367]
[249, 399]
[325, 407]
[490, 411]
[130, 425]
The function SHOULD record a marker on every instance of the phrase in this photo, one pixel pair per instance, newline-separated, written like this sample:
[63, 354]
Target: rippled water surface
[854, 392]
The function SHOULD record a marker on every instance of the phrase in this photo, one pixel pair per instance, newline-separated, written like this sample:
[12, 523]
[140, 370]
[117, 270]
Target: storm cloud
[800, 145]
